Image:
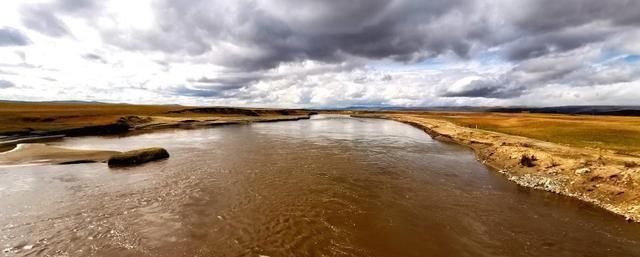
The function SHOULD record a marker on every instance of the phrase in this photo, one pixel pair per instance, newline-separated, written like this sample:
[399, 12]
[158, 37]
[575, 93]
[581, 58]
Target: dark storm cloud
[12, 37]
[560, 41]
[77, 6]
[550, 26]
[488, 88]
[401, 30]
[44, 17]
[222, 85]
[242, 79]
[540, 39]
[41, 19]
[256, 35]
[568, 69]
[300, 30]
[573, 70]
[225, 85]
[611, 75]
[552, 15]
[6, 84]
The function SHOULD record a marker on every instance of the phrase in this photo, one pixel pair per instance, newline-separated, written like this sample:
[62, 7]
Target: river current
[328, 186]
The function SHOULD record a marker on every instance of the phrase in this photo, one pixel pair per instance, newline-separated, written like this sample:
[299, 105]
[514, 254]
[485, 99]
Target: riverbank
[42, 122]
[603, 178]
[25, 149]
[24, 154]
[330, 186]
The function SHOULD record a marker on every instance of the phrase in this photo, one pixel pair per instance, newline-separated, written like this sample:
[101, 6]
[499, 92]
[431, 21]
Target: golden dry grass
[24, 116]
[621, 134]
[54, 116]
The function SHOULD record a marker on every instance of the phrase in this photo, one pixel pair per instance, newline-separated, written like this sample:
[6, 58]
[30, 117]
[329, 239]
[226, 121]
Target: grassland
[620, 134]
[57, 116]
[616, 133]
[23, 117]
[22, 122]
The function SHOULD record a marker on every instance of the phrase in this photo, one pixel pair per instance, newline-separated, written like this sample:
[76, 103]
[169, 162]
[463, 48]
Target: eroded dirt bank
[20, 148]
[133, 124]
[603, 178]
[44, 154]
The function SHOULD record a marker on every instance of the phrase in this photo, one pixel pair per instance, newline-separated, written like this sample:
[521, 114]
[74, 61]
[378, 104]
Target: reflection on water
[330, 186]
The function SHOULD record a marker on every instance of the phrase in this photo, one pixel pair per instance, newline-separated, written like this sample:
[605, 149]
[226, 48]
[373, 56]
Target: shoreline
[28, 148]
[137, 125]
[604, 179]
[35, 154]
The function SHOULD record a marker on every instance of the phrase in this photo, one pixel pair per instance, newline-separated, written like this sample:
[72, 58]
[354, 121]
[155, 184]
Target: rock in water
[138, 157]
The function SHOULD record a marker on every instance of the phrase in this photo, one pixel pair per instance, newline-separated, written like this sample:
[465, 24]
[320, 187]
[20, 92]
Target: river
[329, 186]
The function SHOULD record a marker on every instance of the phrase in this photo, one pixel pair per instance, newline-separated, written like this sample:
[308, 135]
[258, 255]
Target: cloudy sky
[322, 53]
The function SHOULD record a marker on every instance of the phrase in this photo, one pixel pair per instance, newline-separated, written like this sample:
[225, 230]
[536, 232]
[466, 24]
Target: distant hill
[576, 110]
[53, 102]
[399, 108]
[74, 102]
[612, 110]
[571, 110]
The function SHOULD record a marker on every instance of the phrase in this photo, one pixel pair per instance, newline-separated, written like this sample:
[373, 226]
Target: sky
[314, 53]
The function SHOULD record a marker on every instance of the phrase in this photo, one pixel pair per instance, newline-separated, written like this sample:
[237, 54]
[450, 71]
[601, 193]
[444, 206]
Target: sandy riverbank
[26, 149]
[41, 153]
[133, 124]
[603, 178]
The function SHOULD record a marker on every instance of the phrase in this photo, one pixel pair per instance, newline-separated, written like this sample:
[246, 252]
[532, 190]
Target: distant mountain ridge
[79, 102]
[54, 102]
[576, 110]
[612, 110]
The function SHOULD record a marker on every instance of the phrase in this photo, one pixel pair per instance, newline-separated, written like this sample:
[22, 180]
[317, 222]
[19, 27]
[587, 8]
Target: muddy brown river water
[329, 186]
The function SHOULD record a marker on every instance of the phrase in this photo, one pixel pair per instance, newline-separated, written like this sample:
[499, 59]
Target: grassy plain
[23, 116]
[617, 133]
[620, 134]
[18, 116]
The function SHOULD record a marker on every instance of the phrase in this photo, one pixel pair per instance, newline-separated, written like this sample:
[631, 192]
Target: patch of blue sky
[632, 58]
[612, 54]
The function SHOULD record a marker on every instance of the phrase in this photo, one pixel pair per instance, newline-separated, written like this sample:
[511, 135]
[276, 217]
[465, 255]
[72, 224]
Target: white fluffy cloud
[322, 53]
